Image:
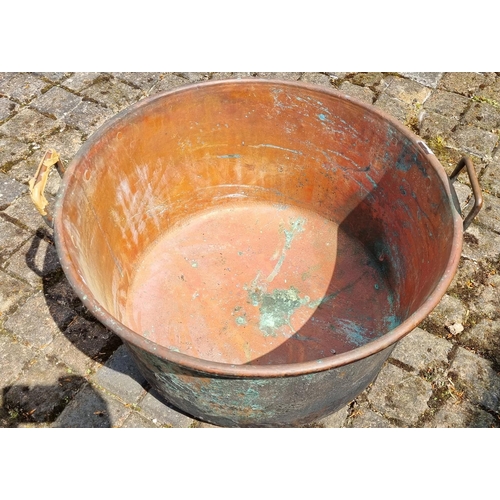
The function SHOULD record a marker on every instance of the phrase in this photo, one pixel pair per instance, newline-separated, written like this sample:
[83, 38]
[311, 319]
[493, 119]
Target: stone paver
[42, 391]
[28, 126]
[10, 189]
[121, 377]
[154, 408]
[26, 325]
[11, 151]
[397, 394]
[59, 367]
[478, 380]
[421, 350]
[92, 408]
[36, 259]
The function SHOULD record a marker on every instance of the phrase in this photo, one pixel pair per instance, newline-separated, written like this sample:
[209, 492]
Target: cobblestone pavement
[59, 367]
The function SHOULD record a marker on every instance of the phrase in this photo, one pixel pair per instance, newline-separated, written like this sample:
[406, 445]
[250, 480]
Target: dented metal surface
[260, 245]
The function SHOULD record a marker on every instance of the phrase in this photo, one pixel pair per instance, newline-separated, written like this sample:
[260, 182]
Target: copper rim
[230, 370]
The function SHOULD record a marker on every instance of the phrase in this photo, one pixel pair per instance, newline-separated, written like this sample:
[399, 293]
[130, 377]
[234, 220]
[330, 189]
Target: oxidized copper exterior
[259, 245]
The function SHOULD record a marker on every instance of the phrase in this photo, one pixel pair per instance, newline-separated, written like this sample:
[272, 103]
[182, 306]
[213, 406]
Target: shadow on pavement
[42, 404]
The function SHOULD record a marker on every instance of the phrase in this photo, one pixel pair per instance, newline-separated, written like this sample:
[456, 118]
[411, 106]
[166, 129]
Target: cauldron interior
[256, 222]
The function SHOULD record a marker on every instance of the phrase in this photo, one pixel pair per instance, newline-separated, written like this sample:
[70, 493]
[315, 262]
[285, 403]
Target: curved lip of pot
[253, 371]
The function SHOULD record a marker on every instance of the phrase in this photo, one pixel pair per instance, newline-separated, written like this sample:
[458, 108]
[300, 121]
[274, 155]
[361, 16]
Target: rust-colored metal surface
[260, 245]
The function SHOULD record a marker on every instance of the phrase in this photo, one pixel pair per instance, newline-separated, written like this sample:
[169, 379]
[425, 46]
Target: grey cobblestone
[87, 116]
[22, 87]
[42, 391]
[121, 377]
[481, 244]
[420, 350]
[400, 395]
[56, 102]
[11, 238]
[10, 189]
[143, 81]
[11, 151]
[446, 103]
[80, 81]
[113, 94]
[474, 140]
[35, 260]
[29, 126]
[455, 415]
[362, 93]
[61, 368]
[7, 108]
[427, 79]
[434, 125]
[286, 76]
[159, 412]
[406, 91]
[315, 78]
[13, 358]
[366, 418]
[92, 409]
[25, 322]
[490, 180]
[475, 376]
[483, 115]
[467, 84]
[11, 292]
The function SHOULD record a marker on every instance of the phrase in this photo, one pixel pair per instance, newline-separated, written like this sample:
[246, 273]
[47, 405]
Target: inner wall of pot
[205, 147]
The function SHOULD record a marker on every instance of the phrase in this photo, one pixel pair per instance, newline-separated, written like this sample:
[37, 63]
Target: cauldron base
[259, 283]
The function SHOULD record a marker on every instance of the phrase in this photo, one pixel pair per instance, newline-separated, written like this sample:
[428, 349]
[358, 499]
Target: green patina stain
[276, 308]
[241, 320]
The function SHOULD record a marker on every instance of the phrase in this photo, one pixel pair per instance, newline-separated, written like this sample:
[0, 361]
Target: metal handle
[476, 188]
[38, 182]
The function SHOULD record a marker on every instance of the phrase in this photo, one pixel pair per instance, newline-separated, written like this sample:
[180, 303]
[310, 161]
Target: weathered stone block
[56, 102]
[113, 94]
[22, 87]
[11, 238]
[406, 91]
[42, 391]
[36, 259]
[465, 83]
[314, 78]
[434, 125]
[92, 408]
[143, 81]
[160, 412]
[475, 376]
[428, 79]
[13, 358]
[11, 292]
[446, 103]
[421, 350]
[361, 93]
[29, 126]
[483, 115]
[87, 116]
[400, 395]
[37, 322]
[10, 189]
[121, 377]
[454, 415]
[11, 151]
[473, 140]
[480, 243]
[7, 108]
[80, 80]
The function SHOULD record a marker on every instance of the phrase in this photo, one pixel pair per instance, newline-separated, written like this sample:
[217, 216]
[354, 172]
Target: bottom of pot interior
[262, 284]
